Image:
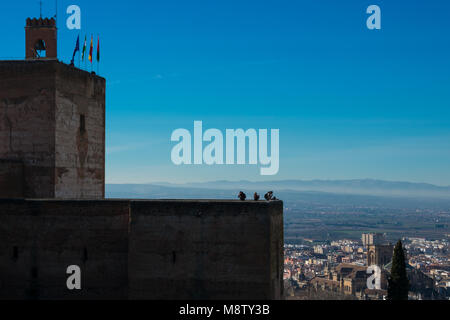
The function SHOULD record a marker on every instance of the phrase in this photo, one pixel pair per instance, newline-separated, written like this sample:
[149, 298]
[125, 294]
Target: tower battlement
[41, 41]
[35, 22]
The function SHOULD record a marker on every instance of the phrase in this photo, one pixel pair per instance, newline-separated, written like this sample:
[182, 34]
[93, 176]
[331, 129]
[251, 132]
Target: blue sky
[349, 102]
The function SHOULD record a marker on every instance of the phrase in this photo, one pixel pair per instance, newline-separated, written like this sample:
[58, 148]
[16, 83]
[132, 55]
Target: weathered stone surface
[11, 179]
[42, 104]
[202, 249]
[167, 249]
[40, 239]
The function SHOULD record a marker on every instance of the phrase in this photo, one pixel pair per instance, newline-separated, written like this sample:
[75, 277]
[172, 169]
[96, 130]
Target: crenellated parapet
[46, 22]
[41, 39]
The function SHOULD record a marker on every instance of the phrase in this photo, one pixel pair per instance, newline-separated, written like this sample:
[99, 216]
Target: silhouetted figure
[268, 196]
[242, 196]
[256, 197]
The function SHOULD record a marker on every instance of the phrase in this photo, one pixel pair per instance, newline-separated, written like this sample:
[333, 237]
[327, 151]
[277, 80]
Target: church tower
[379, 254]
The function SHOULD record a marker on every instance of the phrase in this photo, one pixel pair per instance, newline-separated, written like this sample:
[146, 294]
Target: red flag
[91, 49]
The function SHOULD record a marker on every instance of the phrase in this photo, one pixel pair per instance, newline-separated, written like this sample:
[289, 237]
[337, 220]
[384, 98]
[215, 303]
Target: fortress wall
[27, 122]
[11, 179]
[80, 152]
[276, 251]
[42, 104]
[205, 250]
[40, 239]
[155, 249]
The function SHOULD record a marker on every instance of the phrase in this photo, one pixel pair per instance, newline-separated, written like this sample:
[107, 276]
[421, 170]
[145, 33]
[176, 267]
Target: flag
[98, 49]
[77, 48]
[84, 48]
[91, 49]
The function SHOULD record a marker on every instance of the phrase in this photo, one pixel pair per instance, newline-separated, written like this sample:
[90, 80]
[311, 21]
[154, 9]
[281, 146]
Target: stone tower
[379, 254]
[52, 145]
[41, 39]
[52, 124]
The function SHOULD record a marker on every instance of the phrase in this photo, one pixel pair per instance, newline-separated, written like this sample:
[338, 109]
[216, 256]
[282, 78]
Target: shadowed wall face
[27, 123]
[40, 239]
[52, 119]
[173, 249]
[203, 249]
[11, 179]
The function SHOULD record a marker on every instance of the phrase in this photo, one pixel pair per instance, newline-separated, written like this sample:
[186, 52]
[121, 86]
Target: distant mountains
[366, 192]
[300, 194]
[355, 187]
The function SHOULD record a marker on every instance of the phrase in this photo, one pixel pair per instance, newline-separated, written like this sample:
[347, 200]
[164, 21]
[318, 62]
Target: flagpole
[98, 50]
[84, 58]
[79, 54]
[91, 50]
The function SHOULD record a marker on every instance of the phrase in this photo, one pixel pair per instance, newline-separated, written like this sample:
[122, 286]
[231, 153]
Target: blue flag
[77, 48]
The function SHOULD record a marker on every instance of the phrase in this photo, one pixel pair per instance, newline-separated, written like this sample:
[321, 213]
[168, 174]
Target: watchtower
[41, 39]
[52, 123]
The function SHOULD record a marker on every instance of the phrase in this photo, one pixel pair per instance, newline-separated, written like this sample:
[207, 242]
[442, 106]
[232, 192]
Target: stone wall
[79, 147]
[202, 249]
[155, 249]
[27, 122]
[41, 107]
[11, 179]
[40, 239]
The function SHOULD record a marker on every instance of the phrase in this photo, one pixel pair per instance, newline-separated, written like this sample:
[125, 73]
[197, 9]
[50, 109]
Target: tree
[398, 283]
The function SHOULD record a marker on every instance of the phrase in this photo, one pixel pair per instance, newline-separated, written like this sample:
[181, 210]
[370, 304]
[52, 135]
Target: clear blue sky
[349, 102]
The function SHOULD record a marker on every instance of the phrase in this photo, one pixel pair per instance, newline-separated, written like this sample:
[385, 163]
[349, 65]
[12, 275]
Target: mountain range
[356, 187]
[348, 193]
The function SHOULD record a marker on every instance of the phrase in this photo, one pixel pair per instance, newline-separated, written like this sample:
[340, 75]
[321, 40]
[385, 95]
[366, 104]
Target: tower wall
[40, 239]
[41, 29]
[79, 134]
[11, 179]
[27, 123]
[41, 104]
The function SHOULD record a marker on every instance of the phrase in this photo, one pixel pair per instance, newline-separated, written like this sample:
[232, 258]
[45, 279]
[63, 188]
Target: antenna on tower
[56, 13]
[40, 9]
[56, 22]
